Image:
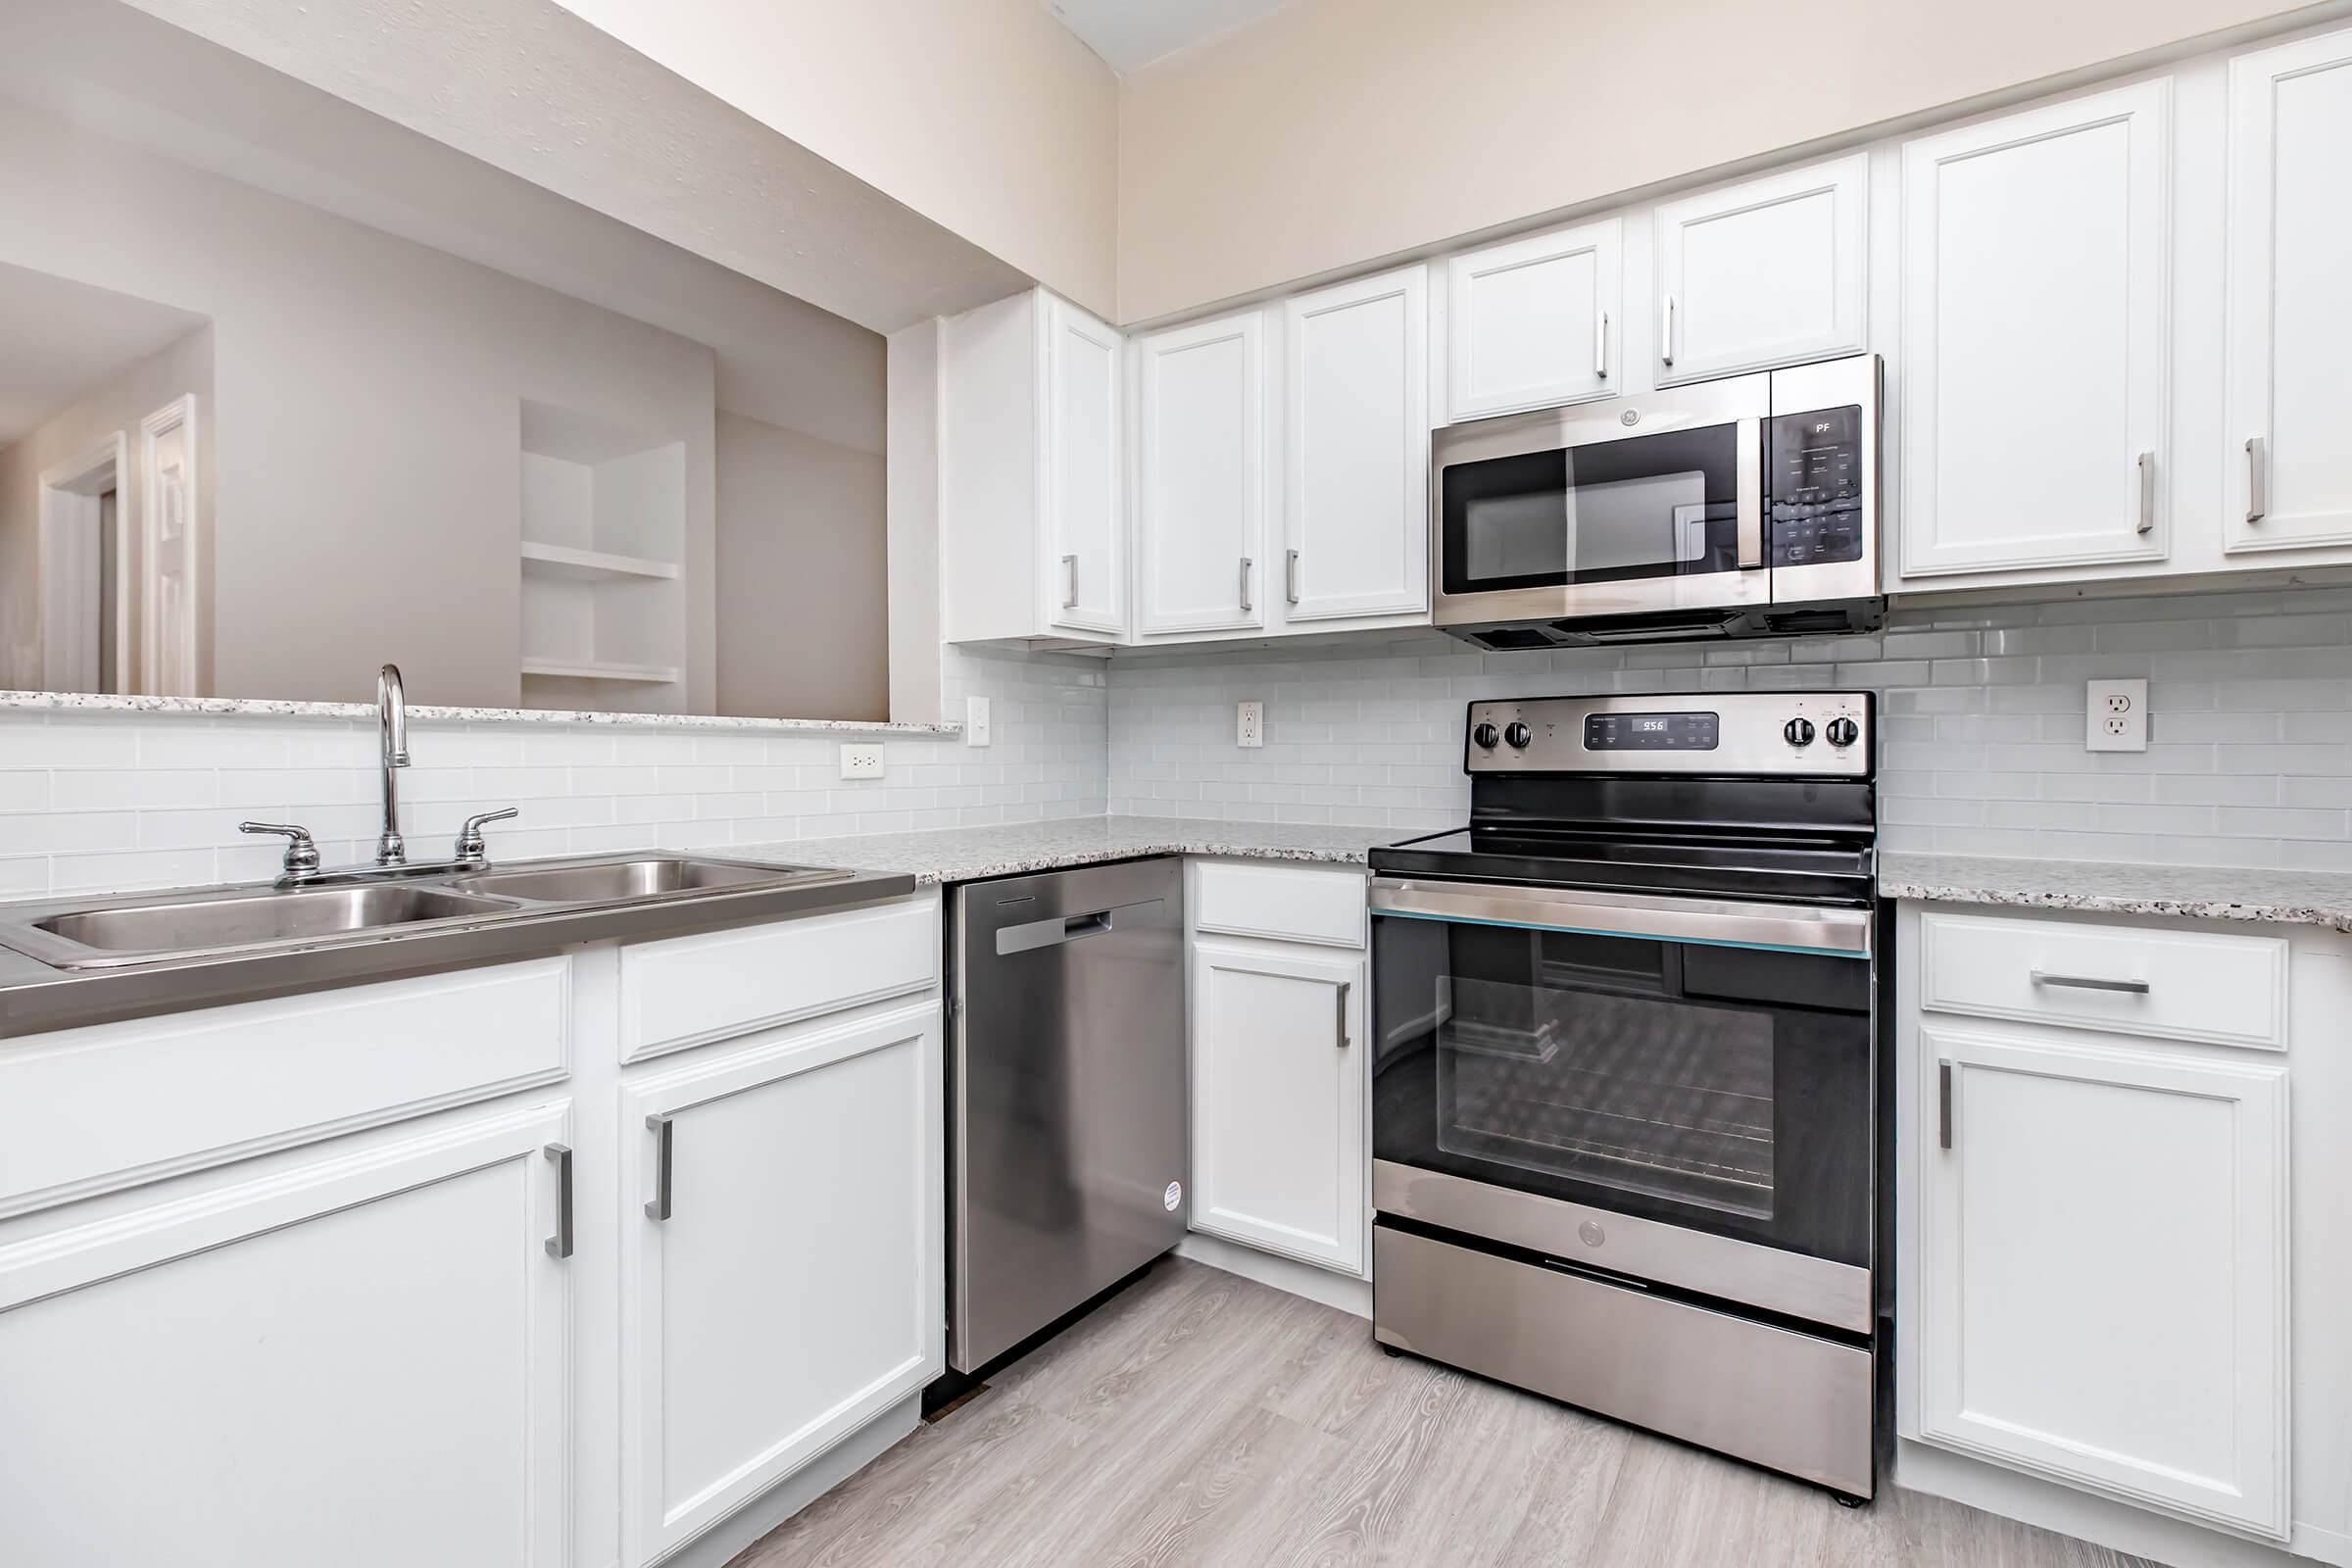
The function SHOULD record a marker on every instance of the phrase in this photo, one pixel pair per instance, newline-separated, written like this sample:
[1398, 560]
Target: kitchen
[1082, 966]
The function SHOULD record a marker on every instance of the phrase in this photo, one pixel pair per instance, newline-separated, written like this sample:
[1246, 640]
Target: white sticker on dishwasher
[1172, 1196]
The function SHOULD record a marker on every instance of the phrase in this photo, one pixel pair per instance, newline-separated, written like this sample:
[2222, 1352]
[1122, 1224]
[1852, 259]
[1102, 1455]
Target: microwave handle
[1750, 444]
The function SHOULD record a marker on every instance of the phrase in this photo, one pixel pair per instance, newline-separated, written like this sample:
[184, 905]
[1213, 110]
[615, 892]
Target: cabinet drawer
[1287, 903]
[686, 991]
[2177, 984]
[90, 1111]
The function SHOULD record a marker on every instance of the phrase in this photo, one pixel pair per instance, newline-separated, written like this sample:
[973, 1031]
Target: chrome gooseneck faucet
[392, 718]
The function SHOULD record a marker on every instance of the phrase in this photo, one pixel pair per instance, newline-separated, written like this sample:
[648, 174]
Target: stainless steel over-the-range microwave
[1743, 507]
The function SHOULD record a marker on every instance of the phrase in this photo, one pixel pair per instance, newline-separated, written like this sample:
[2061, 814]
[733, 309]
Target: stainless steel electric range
[1625, 1078]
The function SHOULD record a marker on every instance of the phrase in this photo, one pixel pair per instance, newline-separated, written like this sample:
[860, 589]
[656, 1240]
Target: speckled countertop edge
[971, 854]
[2253, 894]
[262, 707]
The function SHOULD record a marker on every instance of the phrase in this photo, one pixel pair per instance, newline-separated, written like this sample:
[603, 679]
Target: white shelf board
[569, 564]
[592, 669]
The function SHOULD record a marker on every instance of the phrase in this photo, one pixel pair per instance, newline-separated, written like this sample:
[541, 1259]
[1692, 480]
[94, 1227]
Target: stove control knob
[1485, 735]
[1798, 731]
[1518, 735]
[1842, 733]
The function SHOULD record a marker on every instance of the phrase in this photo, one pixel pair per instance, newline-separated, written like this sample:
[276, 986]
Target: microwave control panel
[1817, 478]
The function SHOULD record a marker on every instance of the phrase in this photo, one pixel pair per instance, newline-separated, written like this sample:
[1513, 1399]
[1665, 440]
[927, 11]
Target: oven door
[1630, 507]
[1673, 1088]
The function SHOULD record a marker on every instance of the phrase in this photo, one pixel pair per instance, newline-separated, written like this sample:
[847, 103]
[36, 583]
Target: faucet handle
[302, 852]
[470, 844]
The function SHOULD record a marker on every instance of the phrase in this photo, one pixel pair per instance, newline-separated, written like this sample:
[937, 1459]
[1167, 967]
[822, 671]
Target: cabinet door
[1766, 273]
[1080, 464]
[1200, 476]
[2287, 461]
[1534, 321]
[1278, 1101]
[2035, 258]
[780, 1275]
[1356, 448]
[2103, 1260]
[359, 1360]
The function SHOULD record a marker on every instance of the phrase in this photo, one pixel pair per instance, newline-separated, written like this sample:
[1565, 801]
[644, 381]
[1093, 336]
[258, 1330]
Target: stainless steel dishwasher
[1067, 1136]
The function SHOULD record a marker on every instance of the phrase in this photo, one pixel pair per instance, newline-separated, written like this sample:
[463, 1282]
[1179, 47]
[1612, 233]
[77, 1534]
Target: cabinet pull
[1944, 1104]
[662, 1129]
[1666, 334]
[1069, 583]
[1290, 576]
[1246, 582]
[2147, 492]
[560, 1244]
[1600, 346]
[2257, 480]
[2085, 982]
[1343, 998]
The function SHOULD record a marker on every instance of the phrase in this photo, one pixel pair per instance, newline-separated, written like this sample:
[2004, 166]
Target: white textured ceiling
[1131, 34]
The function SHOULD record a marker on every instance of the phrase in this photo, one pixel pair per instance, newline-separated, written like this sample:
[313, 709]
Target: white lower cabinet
[358, 1359]
[1279, 1081]
[2103, 1276]
[781, 1260]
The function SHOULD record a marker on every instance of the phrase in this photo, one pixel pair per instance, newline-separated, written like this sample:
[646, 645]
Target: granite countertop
[2102, 887]
[428, 713]
[967, 853]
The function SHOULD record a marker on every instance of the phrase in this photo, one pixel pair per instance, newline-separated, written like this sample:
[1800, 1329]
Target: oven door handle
[1789, 927]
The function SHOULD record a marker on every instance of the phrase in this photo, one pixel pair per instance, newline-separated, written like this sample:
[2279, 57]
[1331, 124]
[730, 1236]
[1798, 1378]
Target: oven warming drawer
[1776, 1397]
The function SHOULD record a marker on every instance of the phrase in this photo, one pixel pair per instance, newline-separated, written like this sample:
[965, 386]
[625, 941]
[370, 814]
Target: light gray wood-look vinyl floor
[1197, 1418]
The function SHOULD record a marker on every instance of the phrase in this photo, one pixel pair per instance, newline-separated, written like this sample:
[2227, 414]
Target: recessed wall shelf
[564, 563]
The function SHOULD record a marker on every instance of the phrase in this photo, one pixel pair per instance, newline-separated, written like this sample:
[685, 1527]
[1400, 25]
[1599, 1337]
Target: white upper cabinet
[2287, 434]
[1356, 448]
[2033, 367]
[1769, 272]
[1534, 321]
[1032, 480]
[1200, 476]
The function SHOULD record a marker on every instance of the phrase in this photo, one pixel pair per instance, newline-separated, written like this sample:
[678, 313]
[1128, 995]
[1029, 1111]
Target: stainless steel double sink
[221, 922]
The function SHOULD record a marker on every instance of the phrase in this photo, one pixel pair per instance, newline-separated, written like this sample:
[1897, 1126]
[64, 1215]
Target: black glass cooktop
[1765, 866]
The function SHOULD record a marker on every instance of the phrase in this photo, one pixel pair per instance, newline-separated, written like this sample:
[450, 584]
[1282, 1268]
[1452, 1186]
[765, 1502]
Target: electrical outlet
[975, 722]
[862, 759]
[1250, 724]
[2116, 715]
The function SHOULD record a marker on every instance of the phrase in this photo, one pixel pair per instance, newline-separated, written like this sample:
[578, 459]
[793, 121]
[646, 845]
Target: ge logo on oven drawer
[1590, 1233]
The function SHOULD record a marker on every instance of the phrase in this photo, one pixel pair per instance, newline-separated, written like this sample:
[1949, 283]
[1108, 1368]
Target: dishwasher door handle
[1056, 929]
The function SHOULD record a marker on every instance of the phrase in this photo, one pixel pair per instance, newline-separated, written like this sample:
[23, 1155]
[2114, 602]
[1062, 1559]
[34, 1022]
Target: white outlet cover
[975, 722]
[862, 759]
[2115, 716]
[1250, 724]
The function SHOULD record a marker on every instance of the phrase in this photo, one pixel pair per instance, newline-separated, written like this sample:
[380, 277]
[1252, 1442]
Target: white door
[2289, 460]
[1356, 448]
[2103, 1288]
[1278, 1075]
[2035, 258]
[361, 1360]
[1769, 272]
[1079, 433]
[781, 1261]
[1200, 476]
[171, 549]
[1534, 321]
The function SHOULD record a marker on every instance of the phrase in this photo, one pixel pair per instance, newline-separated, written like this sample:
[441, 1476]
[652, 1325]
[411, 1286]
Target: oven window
[1661, 506]
[1723, 1087]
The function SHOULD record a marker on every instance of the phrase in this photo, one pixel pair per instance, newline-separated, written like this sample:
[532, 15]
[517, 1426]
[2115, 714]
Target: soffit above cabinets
[1130, 35]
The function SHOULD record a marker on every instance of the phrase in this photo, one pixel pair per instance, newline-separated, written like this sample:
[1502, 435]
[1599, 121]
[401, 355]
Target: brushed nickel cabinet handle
[1290, 576]
[1600, 346]
[663, 1130]
[2147, 492]
[560, 1244]
[1666, 334]
[1345, 986]
[2084, 982]
[1069, 583]
[1245, 563]
[1944, 1104]
[2258, 480]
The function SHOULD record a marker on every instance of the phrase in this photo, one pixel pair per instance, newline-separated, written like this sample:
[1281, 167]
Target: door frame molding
[69, 500]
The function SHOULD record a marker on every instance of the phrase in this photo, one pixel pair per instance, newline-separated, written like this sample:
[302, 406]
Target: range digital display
[1652, 732]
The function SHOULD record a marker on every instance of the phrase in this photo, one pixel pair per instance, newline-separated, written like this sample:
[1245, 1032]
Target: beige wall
[985, 116]
[115, 408]
[802, 628]
[1339, 132]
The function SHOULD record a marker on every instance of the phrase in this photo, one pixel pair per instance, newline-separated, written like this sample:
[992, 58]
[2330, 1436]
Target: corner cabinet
[2034, 367]
[1033, 491]
[1200, 476]
[781, 1262]
[2286, 462]
[1766, 273]
[1355, 450]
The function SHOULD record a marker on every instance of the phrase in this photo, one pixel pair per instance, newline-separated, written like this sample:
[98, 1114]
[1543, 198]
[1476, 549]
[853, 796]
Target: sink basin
[191, 927]
[654, 877]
